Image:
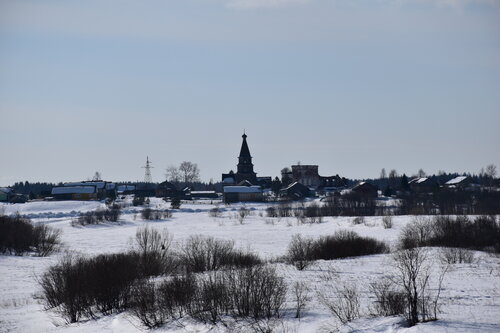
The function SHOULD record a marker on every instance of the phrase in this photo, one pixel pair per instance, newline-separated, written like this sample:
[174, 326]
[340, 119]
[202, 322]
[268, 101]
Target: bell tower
[245, 166]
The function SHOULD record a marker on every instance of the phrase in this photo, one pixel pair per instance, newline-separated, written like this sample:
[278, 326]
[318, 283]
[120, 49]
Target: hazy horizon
[351, 86]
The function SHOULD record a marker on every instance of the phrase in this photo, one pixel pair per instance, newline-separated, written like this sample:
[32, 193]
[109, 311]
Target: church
[245, 174]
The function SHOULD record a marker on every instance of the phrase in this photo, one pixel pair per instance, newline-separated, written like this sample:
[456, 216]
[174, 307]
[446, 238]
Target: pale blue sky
[350, 85]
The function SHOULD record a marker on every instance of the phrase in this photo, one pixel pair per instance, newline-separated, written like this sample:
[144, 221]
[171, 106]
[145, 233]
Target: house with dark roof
[365, 189]
[296, 191]
[423, 185]
[166, 190]
[242, 194]
[460, 182]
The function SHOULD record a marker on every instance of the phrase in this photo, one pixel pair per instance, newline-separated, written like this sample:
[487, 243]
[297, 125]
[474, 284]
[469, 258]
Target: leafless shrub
[387, 221]
[211, 300]
[215, 212]
[271, 212]
[301, 298]
[47, 239]
[138, 201]
[154, 249]
[358, 220]
[80, 287]
[416, 233]
[284, 210]
[146, 305]
[200, 254]
[155, 214]
[454, 255]
[300, 251]
[19, 236]
[269, 221]
[256, 292]
[313, 213]
[345, 244]
[243, 212]
[481, 233]
[151, 240]
[389, 300]
[111, 214]
[344, 304]
[157, 303]
[269, 325]
[413, 276]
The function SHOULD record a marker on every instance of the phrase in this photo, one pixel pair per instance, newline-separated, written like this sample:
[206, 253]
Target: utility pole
[147, 172]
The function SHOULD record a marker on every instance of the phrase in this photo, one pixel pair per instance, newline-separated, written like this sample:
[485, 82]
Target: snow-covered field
[470, 300]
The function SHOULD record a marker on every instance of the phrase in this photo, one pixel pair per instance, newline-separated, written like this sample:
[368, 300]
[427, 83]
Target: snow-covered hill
[470, 299]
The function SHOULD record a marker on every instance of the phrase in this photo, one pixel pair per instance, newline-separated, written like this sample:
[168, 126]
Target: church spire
[244, 152]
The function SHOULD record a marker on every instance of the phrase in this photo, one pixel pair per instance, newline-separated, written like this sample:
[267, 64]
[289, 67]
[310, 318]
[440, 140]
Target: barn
[242, 194]
[74, 193]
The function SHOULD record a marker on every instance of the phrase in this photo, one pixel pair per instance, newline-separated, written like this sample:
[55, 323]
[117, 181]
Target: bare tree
[301, 295]
[189, 172]
[97, 176]
[393, 174]
[151, 240]
[491, 171]
[411, 271]
[173, 174]
[413, 275]
[383, 174]
[421, 173]
[343, 302]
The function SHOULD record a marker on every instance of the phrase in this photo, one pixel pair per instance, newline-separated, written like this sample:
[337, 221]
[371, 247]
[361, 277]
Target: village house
[295, 191]
[84, 193]
[242, 194]
[423, 185]
[460, 182]
[365, 189]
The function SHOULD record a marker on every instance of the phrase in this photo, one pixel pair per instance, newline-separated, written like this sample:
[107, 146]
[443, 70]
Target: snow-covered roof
[5, 189]
[294, 184]
[228, 180]
[73, 189]
[99, 185]
[418, 180]
[242, 189]
[202, 192]
[456, 180]
[123, 188]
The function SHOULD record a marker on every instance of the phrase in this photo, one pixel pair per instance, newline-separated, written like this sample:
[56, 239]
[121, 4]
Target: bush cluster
[111, 214]
[480, 233]
[138, 201]
[342, 244]
[156, 303]
[253, 292]
[85, 287]
[390, 300]
[19, 236]
[155, 214]
[200, 254]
